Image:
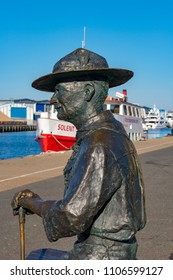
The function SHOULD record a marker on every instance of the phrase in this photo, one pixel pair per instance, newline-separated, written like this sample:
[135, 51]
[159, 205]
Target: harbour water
[21, 144]
[18, 144]
[159, 133]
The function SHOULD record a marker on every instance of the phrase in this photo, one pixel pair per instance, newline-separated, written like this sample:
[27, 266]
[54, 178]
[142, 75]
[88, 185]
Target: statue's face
[68, 100]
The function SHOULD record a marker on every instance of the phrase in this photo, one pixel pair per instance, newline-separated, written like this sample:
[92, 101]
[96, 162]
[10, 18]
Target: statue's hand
[19, 201]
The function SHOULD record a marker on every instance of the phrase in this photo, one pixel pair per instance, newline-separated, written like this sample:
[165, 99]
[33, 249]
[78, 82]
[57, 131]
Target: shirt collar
[94, 123]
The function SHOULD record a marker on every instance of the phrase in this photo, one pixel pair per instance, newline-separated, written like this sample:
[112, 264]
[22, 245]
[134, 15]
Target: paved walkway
[43, 175]
[27, 170]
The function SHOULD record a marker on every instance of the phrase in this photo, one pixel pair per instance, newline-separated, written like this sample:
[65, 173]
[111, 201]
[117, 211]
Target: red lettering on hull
[65, 127]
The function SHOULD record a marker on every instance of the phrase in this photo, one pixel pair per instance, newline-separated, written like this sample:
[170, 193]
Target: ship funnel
[124, 92]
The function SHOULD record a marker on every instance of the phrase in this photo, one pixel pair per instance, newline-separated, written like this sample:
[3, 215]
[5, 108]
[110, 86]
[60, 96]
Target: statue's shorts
[93, 248]
[96, 248]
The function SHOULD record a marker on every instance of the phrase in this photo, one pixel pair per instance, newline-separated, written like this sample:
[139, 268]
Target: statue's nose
[53, 99]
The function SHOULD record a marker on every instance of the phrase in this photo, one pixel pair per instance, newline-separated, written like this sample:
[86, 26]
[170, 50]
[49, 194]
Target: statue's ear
[89, 91]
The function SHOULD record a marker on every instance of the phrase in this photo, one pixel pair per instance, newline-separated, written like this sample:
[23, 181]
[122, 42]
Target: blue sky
[135, 35]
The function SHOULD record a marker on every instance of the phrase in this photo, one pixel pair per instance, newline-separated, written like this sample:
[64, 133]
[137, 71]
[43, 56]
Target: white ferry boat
[155, 119]
[56, 135]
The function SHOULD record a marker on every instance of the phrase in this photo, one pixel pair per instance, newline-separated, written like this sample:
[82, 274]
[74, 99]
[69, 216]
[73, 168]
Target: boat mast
[84, 38]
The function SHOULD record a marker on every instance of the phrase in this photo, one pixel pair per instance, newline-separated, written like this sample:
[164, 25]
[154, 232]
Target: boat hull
[132, 125]
[55, 135]
[55, 143]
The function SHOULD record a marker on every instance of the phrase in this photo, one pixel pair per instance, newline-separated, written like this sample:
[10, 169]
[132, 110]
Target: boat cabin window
[137, 112]
[129, 111]
[116, 109]
[125, 109]
[134, 113]
[112, 108]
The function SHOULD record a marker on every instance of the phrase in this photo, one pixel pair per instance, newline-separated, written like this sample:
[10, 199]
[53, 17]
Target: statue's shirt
[104, 192]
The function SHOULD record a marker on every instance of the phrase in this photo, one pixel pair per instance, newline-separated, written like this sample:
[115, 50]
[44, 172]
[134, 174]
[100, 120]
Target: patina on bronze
[103, 201]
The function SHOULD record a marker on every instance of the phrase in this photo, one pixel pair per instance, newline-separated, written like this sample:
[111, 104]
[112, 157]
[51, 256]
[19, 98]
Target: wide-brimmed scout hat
[82, 64]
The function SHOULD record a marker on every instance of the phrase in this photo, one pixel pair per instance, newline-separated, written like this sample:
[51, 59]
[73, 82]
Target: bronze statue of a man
[103, 201]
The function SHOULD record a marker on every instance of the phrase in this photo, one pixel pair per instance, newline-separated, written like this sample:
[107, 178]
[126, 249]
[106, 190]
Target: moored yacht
[155, 119]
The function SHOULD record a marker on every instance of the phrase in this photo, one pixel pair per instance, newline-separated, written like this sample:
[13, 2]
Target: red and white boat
[53, 134]
[56, 135]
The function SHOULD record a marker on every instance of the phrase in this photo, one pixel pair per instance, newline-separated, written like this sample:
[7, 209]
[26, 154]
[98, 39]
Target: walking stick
[22, 232]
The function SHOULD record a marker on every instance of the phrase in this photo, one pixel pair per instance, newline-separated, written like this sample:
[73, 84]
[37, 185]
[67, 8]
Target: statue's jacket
[104, 190]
